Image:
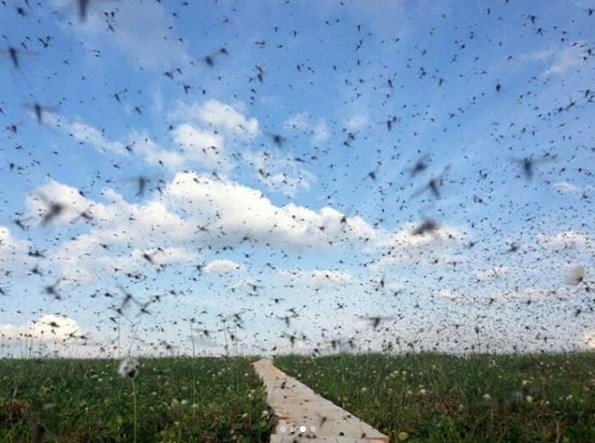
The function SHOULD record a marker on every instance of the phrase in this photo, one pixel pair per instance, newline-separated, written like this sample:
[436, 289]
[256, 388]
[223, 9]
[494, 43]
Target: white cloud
[73, 204]
[320, 133]
[88, 134]
[14, 258]
[406, 238]
[9, 245]
[240, 211]
[405, 248]
[49, 327]
[278, 172]
[565, 187]
[492, 273]
[154, 154]
[201, 137]
[201, 146]
[449, 293]
[220, 116]
[222, 267]
[174, 254]
[298, 121]
[317, 131]
[568, 59]
[318, 276]
[197, 146]
[192, 208]
[564, 239]
[118, 228]
[533, 56]
[158, 49]
[51, 335]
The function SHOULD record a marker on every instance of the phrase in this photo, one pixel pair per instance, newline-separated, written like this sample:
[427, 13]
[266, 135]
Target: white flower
[129, 367]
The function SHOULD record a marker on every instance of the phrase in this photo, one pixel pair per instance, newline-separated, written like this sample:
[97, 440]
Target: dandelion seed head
[576, 275]
[129, 367]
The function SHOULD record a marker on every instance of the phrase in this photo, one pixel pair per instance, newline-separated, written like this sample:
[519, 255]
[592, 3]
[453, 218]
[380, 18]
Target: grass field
[531, 398]
[178, 400]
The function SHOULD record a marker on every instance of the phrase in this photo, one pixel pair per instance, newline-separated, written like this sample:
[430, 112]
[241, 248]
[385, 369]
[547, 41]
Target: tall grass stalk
[134, 411]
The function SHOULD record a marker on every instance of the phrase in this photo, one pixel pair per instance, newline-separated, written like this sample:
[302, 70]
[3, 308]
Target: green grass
[530, 398]
[178, 400]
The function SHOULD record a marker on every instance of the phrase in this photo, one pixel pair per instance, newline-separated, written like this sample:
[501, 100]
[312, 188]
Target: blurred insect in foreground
[428, 226]
[420, 166]
[14, 54]
[212, 57]
[376, 320]
[528, 164]
[83, 9]
[40, 110]
[53, 210]
[434, 184]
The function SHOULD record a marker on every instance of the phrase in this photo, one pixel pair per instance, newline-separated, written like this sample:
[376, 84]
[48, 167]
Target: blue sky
[276, 144]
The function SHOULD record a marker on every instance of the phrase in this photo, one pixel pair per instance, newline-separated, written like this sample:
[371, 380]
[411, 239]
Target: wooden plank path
[303, 415]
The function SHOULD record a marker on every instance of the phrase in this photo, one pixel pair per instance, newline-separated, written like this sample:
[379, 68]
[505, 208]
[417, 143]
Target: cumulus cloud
[566, 187]
[406, 237]
[226, 117]
[222, 267]
[206, 148]
[244, 213]
[404, 247]
[48, 327]
[157, 49]
[298, 121]
[201, 136]
[223, 117]
[569, 58]
[89, 135]
[14, 258]
[192, 208]
[9, 245]
[117, 229]
[50, 335]
[565, 239]
[318, 276]
[491, 273]
[196, 146]
[279, 172]
[151, 152]
[318, 130]
[356, 122]
[73, 204]
[449, 293]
